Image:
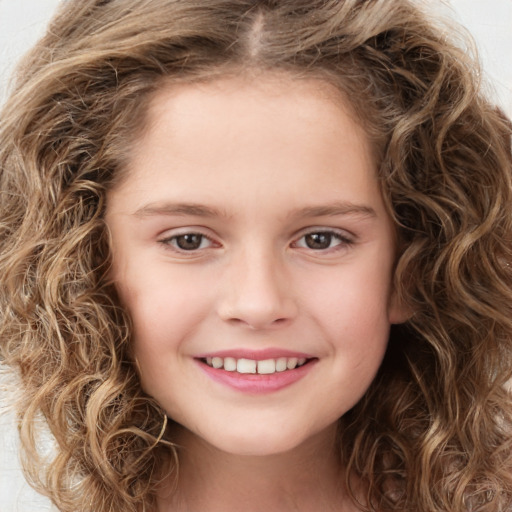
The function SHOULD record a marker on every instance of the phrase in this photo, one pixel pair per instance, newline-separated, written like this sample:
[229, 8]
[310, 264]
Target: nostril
[257, 323]
[258, 311]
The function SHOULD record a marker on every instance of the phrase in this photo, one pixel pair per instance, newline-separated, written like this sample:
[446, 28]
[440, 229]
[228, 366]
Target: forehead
[232, 141]
[248, 87]
[258, 108]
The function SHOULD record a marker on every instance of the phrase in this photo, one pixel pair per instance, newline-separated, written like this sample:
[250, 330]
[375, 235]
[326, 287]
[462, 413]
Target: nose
[257, 293]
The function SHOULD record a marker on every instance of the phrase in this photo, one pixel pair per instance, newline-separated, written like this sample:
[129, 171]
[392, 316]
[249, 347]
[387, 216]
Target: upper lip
[256, 355]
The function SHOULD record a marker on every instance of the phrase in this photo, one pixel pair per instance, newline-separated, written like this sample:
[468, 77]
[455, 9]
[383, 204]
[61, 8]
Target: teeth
[217, 362]
[230, 364]
[291, 363]
[245, 366]
[281, 364]
[267, 366]
[264, 367]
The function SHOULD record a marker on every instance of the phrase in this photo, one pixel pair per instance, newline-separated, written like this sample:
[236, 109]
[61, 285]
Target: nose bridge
[256, 290]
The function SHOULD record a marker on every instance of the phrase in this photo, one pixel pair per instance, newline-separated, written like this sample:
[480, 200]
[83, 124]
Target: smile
[252, 366]
[256, 372]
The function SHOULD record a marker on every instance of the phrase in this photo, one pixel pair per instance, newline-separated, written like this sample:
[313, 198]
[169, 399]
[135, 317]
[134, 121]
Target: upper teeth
[266, 366]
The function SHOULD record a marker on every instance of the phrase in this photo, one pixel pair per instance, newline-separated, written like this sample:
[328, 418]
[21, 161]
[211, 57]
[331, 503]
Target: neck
[306, 479]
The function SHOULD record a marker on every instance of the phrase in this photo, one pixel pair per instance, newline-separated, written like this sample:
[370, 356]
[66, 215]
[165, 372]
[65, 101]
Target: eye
[188, 242]
[322, 240]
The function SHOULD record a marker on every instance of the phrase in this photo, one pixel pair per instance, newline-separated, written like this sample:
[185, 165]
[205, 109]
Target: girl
[255, 256]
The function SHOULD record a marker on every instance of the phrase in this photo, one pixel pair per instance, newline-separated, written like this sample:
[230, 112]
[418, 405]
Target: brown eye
[318, 240]
[189, 241]
[324, 240]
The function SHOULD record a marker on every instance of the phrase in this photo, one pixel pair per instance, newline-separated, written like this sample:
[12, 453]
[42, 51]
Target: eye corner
[188, 242]
[323, 240]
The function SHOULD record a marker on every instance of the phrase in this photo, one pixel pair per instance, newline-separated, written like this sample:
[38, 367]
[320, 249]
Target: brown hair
[433, 432]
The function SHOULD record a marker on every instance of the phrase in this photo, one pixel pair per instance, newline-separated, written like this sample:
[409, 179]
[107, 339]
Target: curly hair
[433, 432]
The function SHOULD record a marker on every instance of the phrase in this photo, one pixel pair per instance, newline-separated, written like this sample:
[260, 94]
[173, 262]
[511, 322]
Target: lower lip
[257, 383]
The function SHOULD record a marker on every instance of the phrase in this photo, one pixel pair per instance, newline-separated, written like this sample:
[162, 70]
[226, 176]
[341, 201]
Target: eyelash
[343, 239]
[171, 243]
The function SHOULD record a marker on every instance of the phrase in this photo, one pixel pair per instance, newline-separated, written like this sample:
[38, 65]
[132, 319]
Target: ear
[398, 311]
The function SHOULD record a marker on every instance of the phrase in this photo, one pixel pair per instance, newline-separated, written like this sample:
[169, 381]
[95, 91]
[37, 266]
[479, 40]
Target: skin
[260, 171]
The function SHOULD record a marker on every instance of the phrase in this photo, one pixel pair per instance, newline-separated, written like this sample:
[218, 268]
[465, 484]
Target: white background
[23, 21]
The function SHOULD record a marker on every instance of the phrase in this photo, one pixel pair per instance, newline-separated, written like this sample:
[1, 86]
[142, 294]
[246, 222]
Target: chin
[258, 442]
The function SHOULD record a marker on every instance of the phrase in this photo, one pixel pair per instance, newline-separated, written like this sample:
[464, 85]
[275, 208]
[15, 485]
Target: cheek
[157, 294]
[165, 308]
[351, 309]
[356, 326]
[350, 299]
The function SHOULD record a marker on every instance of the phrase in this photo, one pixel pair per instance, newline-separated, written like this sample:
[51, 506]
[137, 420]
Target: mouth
[256, 367]
[256, 373]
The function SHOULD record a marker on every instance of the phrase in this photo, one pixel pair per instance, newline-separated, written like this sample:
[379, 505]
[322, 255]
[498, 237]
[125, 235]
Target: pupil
[189, 241]
[318, 240]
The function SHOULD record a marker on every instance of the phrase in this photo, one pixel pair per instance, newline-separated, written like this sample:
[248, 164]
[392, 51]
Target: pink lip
[255, 383]
[257, 355]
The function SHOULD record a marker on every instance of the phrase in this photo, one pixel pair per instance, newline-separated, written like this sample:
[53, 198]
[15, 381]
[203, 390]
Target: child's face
[251, 227]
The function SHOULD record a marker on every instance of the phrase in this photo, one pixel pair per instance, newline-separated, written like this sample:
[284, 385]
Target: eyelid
[342, 233]
[171, 234]
[345, 237]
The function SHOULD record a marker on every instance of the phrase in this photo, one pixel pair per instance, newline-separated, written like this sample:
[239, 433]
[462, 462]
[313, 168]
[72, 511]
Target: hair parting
[433, 432]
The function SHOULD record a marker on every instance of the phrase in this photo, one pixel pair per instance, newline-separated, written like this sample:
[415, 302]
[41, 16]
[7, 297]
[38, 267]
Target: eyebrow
[334, 209]
[200, 210]
[197, 210]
